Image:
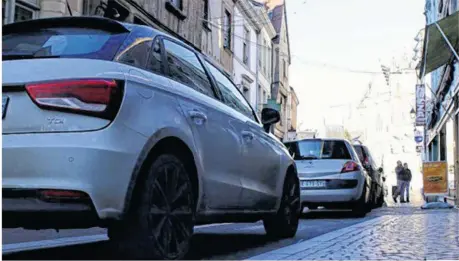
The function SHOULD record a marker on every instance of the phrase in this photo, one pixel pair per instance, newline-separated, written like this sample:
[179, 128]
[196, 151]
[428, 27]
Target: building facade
[246, 31]
[280, 87]
[180, 18]
[442, 122]
[264, 55]
[292, 117]
[218, 36]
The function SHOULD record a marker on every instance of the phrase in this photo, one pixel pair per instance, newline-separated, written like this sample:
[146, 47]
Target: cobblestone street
[430, 234]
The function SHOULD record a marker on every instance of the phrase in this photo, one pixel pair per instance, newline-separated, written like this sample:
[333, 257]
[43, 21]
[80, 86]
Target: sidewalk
[403, 232]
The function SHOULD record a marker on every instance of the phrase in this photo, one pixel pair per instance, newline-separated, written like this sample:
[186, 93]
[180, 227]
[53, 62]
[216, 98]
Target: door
[262, 161]
[217, 140]
[259, 163]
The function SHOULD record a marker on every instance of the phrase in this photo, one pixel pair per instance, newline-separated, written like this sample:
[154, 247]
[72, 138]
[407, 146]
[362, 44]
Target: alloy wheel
[171, 215]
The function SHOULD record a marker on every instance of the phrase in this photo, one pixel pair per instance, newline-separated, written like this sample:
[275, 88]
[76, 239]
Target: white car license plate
[313, 184]
[5, 100]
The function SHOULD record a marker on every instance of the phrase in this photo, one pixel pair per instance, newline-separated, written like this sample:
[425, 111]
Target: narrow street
[322, 235]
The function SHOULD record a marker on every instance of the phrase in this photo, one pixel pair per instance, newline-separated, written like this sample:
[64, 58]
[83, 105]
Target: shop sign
[420, 104]
[435, 177]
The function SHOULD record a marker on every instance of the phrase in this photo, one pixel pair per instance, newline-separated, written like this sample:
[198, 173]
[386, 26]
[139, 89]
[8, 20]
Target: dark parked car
[376, 173]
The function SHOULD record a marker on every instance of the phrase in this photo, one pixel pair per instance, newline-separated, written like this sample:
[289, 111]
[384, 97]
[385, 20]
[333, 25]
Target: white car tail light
[350, 166]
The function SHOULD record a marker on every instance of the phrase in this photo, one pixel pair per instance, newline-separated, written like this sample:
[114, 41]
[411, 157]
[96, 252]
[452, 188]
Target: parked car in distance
[331, 175]
[121, 126]
[376, 174]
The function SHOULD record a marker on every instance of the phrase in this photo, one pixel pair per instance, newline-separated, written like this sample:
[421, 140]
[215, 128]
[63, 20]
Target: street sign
[418, 149]
[420, 105]
[418, 136]
[418, 139]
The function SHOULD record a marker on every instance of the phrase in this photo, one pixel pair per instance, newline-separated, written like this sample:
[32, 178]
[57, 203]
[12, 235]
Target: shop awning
[436, 50]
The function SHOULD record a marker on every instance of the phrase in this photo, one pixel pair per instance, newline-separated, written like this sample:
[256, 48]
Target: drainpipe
[11, 7]
[257, 95]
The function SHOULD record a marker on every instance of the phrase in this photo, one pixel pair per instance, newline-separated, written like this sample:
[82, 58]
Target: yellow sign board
[435, 177]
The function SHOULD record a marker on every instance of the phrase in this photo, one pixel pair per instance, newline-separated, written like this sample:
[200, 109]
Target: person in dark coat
[399, 172]
[406, 182]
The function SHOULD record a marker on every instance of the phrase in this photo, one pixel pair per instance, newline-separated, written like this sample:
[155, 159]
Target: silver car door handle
[197, 115]
[248, 135]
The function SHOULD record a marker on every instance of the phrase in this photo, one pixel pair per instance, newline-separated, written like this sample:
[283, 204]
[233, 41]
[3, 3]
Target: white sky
[353, 34]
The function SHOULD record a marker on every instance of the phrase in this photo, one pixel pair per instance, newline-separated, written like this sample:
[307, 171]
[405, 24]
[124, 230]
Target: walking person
[399, 173]
[406, 181]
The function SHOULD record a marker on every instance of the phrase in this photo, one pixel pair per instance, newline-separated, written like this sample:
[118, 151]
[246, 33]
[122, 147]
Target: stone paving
[431, 235]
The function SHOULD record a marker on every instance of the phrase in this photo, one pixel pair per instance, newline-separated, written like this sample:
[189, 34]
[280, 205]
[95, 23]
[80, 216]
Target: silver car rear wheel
[161, 226]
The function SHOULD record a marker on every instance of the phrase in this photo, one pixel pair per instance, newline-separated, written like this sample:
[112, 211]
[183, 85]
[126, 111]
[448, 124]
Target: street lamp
[412, 113]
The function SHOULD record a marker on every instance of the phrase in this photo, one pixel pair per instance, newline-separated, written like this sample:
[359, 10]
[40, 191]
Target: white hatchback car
[120, 126]
[331, 175]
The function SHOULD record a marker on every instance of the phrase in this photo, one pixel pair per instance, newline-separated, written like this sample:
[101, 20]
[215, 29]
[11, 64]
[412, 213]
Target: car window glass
[63, 42]
[335, 150]
[360, 153]
[155, 64]
[184, 67]
[136, 54]
[232, 97]
[370, 158]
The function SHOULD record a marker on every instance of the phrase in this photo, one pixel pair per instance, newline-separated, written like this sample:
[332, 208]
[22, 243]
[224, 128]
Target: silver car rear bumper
[97, 163]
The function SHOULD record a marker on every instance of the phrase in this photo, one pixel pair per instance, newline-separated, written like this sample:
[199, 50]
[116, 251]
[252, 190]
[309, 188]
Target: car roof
[97, 22]
[318, 139]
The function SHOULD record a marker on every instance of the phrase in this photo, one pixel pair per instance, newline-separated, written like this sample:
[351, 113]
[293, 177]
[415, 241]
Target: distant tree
[347, 135]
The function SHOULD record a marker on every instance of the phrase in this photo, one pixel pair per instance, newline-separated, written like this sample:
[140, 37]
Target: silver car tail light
[96, 97]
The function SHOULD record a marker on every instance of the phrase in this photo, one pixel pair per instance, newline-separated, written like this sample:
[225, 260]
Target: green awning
[436, 51]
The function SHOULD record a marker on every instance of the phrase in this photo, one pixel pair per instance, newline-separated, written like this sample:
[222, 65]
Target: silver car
[120, 126]
[331, 175]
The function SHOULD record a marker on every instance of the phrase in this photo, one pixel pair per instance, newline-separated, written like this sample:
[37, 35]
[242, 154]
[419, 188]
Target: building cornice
[250, 14]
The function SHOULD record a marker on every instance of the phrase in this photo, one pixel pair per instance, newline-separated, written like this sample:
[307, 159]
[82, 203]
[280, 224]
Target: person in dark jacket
[406, 179]
[399, 173]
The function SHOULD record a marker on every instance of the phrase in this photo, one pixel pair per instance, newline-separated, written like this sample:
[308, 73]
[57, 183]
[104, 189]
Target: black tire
[284, 224]
[161, 224]
[380, 202]
[360, 207]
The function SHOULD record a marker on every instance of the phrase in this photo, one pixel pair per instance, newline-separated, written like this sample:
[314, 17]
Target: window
[206, 13]
[232, 97]
[268, 65]
[283, 101]
[176, 3]
[184, 67]
[227, 31]
[155, 64]
[246, 90]
[284, 68]
[265, 56]
[260, 53]
[136, 54]
[22, 13]
[246, 46]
